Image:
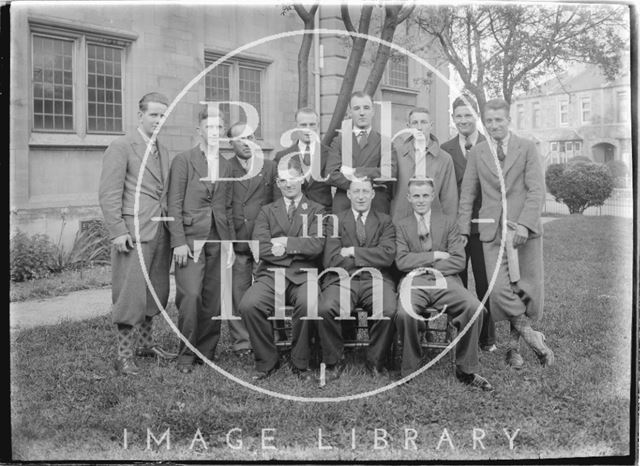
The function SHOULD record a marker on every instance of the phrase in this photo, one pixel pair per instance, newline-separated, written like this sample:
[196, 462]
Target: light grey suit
[525, 191]
[120, 170]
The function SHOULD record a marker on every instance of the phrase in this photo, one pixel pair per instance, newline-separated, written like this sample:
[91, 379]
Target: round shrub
[580, 159]
[31, 257]
[619, 172]
[579, 185]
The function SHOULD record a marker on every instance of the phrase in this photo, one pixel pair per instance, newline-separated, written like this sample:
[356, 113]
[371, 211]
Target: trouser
[461, 307]
[475, 254]
[380, 331]
[258, 305]
[242, 278]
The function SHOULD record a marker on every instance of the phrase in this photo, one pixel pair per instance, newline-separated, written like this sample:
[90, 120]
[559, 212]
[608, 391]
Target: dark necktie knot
[468, 146]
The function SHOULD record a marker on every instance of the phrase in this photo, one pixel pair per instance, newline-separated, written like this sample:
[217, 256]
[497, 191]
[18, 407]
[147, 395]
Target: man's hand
[277, 249]
[521, 235]
[465, 240]
[348, 252]
[441, 255]
[181, 255]
[123, 243]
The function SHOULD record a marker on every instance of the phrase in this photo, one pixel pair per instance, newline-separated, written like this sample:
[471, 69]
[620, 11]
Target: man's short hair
[418, 110]
[364, 179]
[152, 97]
[360, 94]
[497, 104]
[236, 124]
[307, 110]
[464, 101]
[421, 182]
[203, 114]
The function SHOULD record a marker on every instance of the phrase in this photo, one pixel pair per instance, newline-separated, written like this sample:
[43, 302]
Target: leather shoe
[155, 350]
[125, 366]
[261, 375]
[302, 374]
[488, 348]
[514, 359]
[474, 380]
[375, 371]
[543, 352]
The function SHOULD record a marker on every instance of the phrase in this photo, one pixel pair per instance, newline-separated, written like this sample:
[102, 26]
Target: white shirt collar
[357, 130]
[295, 201]
[427, 218]
[145, 138]
[505, 143]
[364, 215]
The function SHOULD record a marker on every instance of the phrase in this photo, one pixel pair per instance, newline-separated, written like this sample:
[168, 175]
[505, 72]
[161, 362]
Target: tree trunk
[384, 51]
[303, 69]
[350, 74]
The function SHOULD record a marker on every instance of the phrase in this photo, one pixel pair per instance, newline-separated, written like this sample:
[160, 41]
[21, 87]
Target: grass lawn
[67, 404]
[61, 283]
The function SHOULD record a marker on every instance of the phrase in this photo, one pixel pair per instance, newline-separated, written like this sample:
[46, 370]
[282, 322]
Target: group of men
[331, 236]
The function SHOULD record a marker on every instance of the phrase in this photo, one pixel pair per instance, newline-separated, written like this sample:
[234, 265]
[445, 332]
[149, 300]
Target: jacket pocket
[188, 221]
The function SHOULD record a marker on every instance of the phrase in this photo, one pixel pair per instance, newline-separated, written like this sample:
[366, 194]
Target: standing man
[249, 196]
[366, 157]
[201, 210]
[419, 156]
[287, 247]
[518, 292]
[305, 151]
[133, 305]
[366, 238]
[468, 136]
[427, 238]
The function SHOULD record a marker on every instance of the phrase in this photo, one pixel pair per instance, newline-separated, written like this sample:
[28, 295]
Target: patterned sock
[125, 341]
[523, 327]
[145, 333]
[514, 338]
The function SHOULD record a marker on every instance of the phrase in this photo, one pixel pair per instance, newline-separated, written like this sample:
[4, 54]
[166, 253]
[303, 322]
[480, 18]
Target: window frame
[562, 102]
[585, 99]
[536, 108]
[520, 116]
[245, 61]
[626, 106]
[80, 34]
[387, 70]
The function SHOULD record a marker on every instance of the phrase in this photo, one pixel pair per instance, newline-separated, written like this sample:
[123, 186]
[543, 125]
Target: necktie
[306, 155]
[362, 139]
[360, 231]
[155, 159]
[467, 146]
[500, 151]
[423, 234]
[290, 210]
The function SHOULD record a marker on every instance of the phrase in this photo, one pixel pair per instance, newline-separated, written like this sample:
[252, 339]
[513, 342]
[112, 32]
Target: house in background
[579, 113]
[77, 72]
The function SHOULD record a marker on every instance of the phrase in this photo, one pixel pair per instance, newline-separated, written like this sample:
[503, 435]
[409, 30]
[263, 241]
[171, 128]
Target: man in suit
[427, 238]
[249, 196]
[468, 136]
[307, 151]
[419, 156]
[366, 158]
[518, 293]
[286, 247]
[366, 238]
[201, 210]
[133, 305]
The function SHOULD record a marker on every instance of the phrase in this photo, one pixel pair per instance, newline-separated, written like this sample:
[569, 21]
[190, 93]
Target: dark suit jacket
[248, 198]
[378, 252]
[366, 161]
[301, 252]
[118, 181]
[524, 184]
[192, 201]
[317, 191]
[452, 146]
[444, 237]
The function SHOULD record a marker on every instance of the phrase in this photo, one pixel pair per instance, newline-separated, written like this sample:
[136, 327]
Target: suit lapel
[371, 227]
[513, 153]
[200, 166]
[280, 212]
[411, 227]
[238, 172]
[487, 157]
[296, 225]
[254, 183]
[349, 226]
[437, 221]
[140, 147]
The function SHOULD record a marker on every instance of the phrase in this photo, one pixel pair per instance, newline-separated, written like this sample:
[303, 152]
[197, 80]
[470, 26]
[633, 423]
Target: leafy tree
[500, 49]
[579, 185]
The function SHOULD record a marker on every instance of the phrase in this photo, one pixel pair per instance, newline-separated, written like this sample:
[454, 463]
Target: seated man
[429, 239]
[365, 238]
[279, 229]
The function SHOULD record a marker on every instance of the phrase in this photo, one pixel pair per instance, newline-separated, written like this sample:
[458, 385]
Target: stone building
[77, 72]
[579, 113]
